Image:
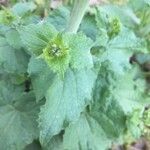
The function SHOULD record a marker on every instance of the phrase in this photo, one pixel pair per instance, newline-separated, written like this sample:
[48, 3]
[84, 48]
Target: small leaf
[80, 47]
[36, 37]
[59, 18]
[55, 143]
[41, 77]
[88, 26]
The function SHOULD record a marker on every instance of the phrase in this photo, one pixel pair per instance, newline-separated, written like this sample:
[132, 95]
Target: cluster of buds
[56, 54]
[114, 27]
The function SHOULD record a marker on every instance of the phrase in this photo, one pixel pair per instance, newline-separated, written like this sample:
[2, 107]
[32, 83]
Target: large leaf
[13, 38]
[65, 100]
[111, 87]
[111, 116]
[119, 50]
[12, 60]
[136, 97]
[18, 114]
[85, 134]
[117, 79]
[126, 14]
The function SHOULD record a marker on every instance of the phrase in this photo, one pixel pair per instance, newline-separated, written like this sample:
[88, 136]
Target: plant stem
[47, 7]
[77, 14]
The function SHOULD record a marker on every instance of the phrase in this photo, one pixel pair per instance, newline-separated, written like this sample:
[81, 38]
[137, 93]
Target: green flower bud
[146, 122]
[146, 117]
[139, 123]
[56, 54]
[115, 27]
[6, 16]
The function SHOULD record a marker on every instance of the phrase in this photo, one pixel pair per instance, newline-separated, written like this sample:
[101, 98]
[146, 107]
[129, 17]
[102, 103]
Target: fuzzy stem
[77, 14]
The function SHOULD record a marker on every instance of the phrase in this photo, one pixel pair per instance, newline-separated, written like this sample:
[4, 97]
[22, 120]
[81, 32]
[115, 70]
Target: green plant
[67, 80]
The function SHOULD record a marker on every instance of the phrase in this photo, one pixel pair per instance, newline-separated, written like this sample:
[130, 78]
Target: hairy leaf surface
[12, 60]
[84, 134]
[65, 100]
[18, 114]
[36, 37]
[41, 77]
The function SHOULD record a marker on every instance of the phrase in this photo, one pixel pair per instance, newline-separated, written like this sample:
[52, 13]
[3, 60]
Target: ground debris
[141, 144]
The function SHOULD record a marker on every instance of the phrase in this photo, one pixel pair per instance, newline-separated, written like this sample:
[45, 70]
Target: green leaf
[135, 124]
[126, 40]
[80, 47]
[114, 87]
[119, 60]
[35, 145]
[55, 143]
[22, 9]
[36, 36]
[12, 60]
[135, 89]
[14, 78]
[58, 50]
[68, 49]
[84, 134]
[18, 114]
[3, 29]
[124, 13]
[119, 50]
[111, 116]
[138, 123]
[138, 5]
[147, 2]
[59, 18]
[6, 16]
[13, 38]
[88, 26]
[56, 54]
[41, 77]
[65, 100]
